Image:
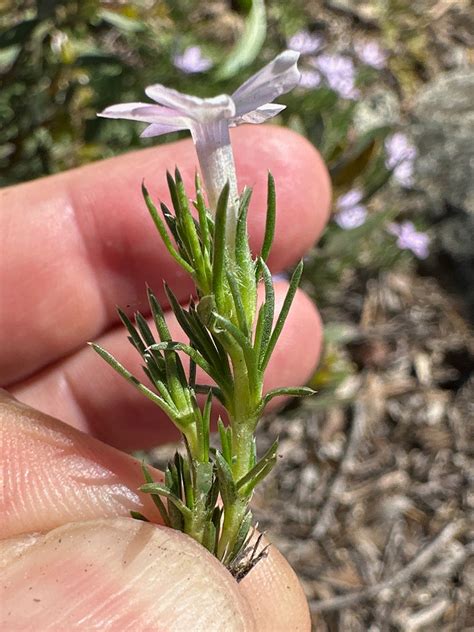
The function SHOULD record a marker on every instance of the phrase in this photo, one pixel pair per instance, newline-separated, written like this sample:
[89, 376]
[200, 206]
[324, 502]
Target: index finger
[78, 243]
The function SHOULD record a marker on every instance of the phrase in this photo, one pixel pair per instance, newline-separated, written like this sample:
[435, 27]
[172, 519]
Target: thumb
[66, 535]
[118, 574]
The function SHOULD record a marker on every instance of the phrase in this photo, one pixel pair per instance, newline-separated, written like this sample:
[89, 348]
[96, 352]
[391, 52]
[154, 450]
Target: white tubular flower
[209, 120]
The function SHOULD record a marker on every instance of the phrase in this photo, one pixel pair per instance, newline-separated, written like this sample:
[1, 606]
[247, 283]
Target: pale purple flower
[408, 238]
[209, 120]
[349, 199]
[351, 214]
[305, 42]
[371, 53]
[339, 73]
[192, 61]
[310, 79]
[400, 157]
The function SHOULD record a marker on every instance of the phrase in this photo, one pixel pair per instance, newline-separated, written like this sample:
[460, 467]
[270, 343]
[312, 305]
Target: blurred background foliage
[62, 62]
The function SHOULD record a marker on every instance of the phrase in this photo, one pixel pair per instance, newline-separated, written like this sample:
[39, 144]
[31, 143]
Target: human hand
[75, 245]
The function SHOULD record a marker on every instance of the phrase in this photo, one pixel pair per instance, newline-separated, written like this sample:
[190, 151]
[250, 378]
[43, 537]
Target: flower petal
[122, 110]
[276, 78]
[147, 113]
[199, 109]
[158, 129]
[260, 115]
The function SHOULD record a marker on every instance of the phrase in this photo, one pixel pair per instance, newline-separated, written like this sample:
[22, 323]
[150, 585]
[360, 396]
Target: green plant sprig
[231, 341]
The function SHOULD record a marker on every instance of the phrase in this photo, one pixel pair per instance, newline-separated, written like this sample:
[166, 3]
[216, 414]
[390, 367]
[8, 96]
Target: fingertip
[275, 594]
[119, 574]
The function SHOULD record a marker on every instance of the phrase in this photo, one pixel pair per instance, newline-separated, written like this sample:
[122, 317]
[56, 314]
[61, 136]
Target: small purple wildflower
[192, 61]
[305, 42]
[309, 79]
[349, 199]
[400, 157]
[339, 73]
[408, 238]
[372, 54]
[351, 214]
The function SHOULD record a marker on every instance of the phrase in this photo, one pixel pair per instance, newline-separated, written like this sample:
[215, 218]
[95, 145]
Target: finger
[288, 609]
[89, 395]
[46, 490]
[53, 474]
[120, 574]
[76, 244]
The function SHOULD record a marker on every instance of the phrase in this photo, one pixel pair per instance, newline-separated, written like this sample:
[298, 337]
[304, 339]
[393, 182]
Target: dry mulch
[370, 501]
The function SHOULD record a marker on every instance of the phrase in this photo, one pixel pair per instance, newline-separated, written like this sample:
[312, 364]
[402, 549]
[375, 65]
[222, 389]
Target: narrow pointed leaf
[241, 537]
[138, 516]
[188, 350]
[133, 380]
[290, 295]
[218, 261]
[135, 338]
[268, 310]
[226, 482]
[163, 233]
[239, 307]
[158, 488]
[297, 391]
[226, 446]
[144, 330]
[155, 497]
[270, 219]
[158, 316]
[260, 470]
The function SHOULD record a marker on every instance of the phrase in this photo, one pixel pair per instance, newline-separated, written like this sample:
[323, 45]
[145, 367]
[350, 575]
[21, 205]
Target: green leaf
[189, 226]
[244, 529]
[268, 309]
[144, 329]
[218, 260]
[209, 537]
[226, 483]
[229, 327]
[188, 350]
[270, 219]
[206, 424]
[290, 295]
[204, 389]
[259, 471]
[249, 45]
[226, 441]
[158, 316]
[163, 233]
[135, 339]
[242, 251]
[187, 480]
[204, 478]
[239, 307]
[296, 391]
[138, 516]
[133, 380]
[155, 497]
[192, 326]
[162, 490]
[244, 274]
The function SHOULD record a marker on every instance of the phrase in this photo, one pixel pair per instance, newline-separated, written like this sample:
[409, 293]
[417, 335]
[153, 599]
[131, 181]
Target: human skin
[73, 246]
